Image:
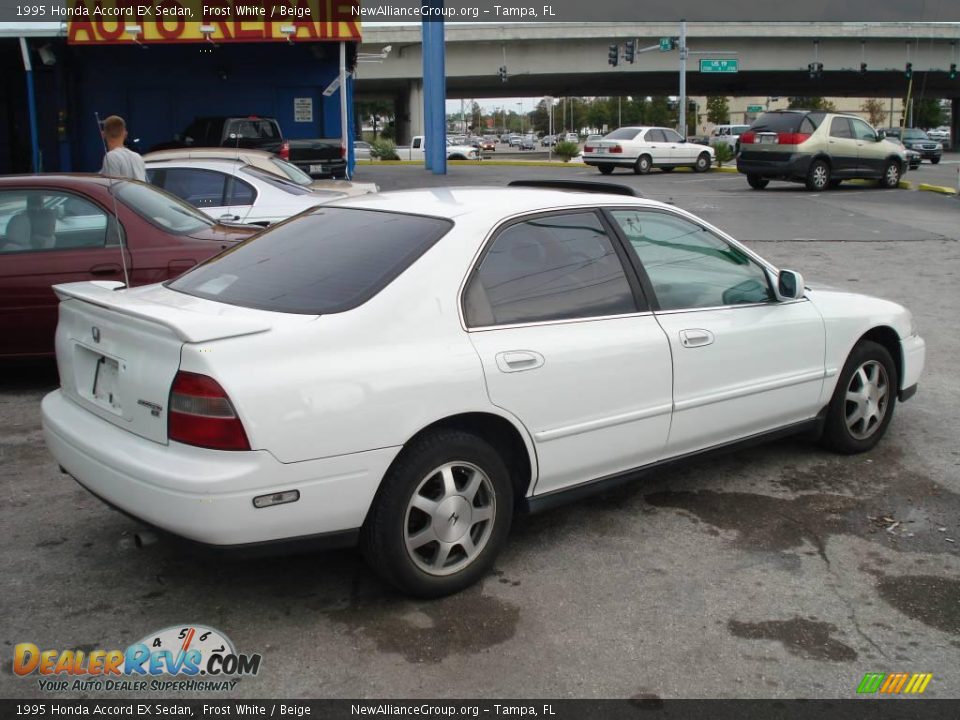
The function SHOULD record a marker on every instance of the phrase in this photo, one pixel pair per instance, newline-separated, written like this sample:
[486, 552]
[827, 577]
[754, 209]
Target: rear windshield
[328, 261]
[291, 171]
[789, 122]
[161, 208]
[622, 134]
[288, 186]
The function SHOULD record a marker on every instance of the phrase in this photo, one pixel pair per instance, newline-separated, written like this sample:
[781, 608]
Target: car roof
[485, 204]
[61, 179]
[212, 153]
[225, 163]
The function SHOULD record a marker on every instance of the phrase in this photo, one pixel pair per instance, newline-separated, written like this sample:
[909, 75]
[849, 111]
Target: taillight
[748, 138]
[285, 150]
[587, 148]
[616, 149]
[794, 138]
[201, 414]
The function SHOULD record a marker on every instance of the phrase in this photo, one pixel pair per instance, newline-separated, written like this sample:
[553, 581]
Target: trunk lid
[118, 352]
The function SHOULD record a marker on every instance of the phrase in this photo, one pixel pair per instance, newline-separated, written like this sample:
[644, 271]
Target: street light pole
[520, 105]
[683, 79]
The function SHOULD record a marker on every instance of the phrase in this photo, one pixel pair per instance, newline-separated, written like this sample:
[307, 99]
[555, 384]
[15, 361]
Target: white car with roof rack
[407, 370]
[230, 190]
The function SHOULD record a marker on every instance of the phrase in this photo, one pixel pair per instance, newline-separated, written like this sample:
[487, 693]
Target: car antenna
[116, 213]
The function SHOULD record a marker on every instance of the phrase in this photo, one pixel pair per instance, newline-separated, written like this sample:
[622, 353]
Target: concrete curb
[937, 189]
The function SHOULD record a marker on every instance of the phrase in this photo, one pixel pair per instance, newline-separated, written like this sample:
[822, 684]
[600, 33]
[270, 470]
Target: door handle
[695, 337]
[105, 269]
[228, 218]
[519, 360]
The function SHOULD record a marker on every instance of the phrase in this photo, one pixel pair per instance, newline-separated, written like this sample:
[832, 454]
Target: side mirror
[188, 140]
[881, 135]
[789, 285]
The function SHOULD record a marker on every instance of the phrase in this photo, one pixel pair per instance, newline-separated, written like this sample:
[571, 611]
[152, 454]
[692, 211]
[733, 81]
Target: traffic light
[816, 69]
[863, 68]
[630, 51]
[613, 55]
[953, 71]
[503, 73]
[908, 71]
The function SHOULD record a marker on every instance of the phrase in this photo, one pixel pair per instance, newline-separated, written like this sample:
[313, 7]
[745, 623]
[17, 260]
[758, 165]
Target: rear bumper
[595, 160]
[207, 495]
[795, 165]
[322, 168]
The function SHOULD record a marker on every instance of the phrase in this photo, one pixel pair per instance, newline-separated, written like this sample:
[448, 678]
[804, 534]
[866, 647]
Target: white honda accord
[408, 370]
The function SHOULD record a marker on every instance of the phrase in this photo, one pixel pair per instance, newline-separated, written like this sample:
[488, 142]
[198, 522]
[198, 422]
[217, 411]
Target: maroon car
[66, 228]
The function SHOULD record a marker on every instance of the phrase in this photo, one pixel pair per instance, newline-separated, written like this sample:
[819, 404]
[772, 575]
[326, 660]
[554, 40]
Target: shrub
[566, 150]
[724, 153]
[383, 149]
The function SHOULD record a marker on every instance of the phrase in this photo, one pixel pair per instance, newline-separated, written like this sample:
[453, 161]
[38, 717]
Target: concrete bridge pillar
[410, 113]
[955, 124]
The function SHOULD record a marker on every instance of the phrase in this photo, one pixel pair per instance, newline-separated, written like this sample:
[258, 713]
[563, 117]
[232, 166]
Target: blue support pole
[31, 106]
[435, 93]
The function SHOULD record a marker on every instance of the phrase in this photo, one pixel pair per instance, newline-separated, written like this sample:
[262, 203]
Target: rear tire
[891, 176]
[818, 177]
[643, 164]
[757, 182]
[441, 515]
[863, 401]
[605, 169]
[703, 163]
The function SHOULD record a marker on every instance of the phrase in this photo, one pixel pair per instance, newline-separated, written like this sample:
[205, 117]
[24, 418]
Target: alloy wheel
[866, 401]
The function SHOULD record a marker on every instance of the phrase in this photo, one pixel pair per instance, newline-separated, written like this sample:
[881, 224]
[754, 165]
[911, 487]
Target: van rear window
[788, 122]
[327, 261]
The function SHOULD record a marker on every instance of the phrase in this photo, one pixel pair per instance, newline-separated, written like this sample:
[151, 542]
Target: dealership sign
[219, 21]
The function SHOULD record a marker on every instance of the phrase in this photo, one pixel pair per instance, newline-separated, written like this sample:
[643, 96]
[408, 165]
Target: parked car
[267, 161]
[528, 142]
[817, 148]
[415, 151]
[940, 134]
[548, 140]
[320, 157]
[727, 135]
[232, 191]
[571, 137]
[917, 139]
[913, 157]
[361, 150]
[644, 148]
[64, 228]
[488, 144]
[409, 369]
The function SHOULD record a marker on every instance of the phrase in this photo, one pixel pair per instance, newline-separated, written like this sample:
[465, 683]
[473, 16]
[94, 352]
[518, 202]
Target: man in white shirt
[119, 161]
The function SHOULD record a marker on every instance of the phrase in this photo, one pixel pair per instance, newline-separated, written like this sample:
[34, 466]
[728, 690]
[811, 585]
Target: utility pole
[683, 79]
[619, 112]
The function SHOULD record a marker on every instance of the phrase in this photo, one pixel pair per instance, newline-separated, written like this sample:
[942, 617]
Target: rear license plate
[316, 169]
[106, 384]
[767, 139]
[601, 150]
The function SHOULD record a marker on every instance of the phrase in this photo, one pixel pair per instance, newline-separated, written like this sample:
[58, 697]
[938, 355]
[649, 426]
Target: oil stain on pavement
[934, 601]
[800, 636]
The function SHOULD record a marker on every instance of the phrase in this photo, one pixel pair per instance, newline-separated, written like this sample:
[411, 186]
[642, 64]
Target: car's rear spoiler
[188, 325]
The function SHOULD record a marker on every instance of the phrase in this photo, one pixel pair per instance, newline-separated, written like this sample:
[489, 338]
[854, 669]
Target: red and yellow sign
[104, 22]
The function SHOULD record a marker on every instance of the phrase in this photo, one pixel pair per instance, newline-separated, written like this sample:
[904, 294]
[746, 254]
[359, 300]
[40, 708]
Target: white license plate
[106, 384]
[767, 139]
[601, 150]
[316, 169]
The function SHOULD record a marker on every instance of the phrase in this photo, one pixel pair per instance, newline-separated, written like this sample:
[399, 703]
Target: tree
[811, 103]
[873, 107]
[660, 113]
[718, 110]
[928, 113]
[377, 112]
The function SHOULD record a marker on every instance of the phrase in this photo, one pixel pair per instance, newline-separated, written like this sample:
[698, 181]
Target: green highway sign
[754, 108]
[666, 44]
[718, 66]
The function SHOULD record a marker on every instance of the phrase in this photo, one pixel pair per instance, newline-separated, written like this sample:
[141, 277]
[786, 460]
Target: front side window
[671, 135]
[690, 267]
[862, 131]
[555, 267]
[51, 220]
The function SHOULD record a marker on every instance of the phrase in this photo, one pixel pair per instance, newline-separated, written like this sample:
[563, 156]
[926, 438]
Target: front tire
[757, 182]
[703, 163]
[441, 515]
[935, 161]
[863, 402]
[818, 177]
[891, 175]
[643, 164]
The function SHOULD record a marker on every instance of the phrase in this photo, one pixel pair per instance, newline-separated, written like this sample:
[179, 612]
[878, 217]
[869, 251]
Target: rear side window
[329, 261]
[555, 267]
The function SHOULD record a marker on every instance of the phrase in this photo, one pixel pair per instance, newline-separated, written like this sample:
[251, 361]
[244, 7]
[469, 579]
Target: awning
[32, 29]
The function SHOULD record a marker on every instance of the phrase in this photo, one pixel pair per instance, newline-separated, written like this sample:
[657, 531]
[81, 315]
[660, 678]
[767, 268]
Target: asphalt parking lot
[777, 571]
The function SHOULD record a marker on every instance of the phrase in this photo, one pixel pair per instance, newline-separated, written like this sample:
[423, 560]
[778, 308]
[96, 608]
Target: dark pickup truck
[321, 157]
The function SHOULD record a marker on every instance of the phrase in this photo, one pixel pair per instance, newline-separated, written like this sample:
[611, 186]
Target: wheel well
[502, 435]
[825, 158]
[899, 162]
[887, 336]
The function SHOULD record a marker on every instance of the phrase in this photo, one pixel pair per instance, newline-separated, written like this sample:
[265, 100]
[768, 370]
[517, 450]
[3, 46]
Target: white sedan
[644, 148]
[233, 190]
[408, 370]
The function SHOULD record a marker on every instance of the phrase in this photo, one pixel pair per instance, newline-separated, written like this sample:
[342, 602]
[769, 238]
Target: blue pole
[435, 103]
[427, 97]
[31, 106]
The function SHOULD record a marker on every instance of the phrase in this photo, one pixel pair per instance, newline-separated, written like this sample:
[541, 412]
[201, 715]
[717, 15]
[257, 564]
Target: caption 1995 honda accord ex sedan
[407, 370]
